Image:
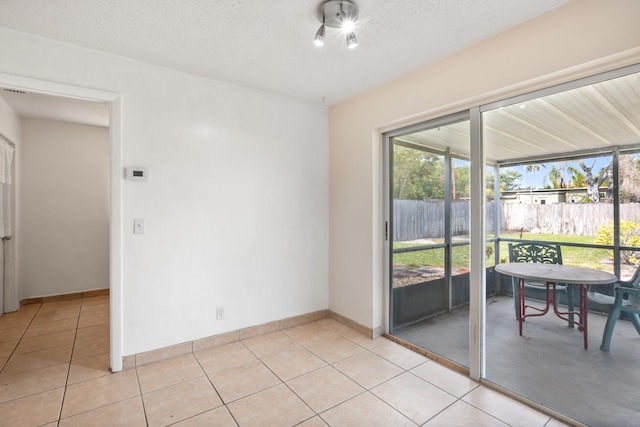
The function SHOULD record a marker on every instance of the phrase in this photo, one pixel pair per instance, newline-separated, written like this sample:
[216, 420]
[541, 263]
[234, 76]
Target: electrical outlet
[220, 312]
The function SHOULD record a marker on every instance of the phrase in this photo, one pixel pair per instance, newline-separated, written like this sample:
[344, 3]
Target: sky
[536, 179]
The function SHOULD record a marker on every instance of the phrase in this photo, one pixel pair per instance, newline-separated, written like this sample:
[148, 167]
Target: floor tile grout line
[206, 374]
[483, 410]
[392, 407]
[432, 384]
[115, 402]
[226, 404]
[283, 382]
[441, 411]
[44, 349]
[66, 382]
[66, 386]
[457, 399]
[404, 370]
[242, 363]
[364, 388]
[18, 373]
[362, 349]
[300, 397]
[20, 340]
[32, 394]
[492, 415]
[144, 407]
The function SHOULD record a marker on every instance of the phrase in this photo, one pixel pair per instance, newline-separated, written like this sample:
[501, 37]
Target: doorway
[68, 95]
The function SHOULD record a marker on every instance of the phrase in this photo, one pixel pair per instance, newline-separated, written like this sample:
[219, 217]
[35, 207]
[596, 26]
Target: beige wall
[64, 227]
[580, 38]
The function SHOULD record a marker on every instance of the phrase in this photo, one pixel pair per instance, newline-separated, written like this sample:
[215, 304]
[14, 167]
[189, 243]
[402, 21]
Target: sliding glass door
[429, 230]
[559, 166]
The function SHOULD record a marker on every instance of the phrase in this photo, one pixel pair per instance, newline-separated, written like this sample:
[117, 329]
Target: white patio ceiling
[590, 118]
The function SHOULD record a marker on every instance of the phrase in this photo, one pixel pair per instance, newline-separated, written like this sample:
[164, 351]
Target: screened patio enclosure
[558, 165]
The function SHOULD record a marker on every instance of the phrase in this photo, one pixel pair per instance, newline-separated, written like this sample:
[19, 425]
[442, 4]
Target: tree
[555, 176]
[564, 175]
[578, 180]
[534, 167]
[629, 169]
[509, 181]
[417, 175]
[594, 183]
[460, 182]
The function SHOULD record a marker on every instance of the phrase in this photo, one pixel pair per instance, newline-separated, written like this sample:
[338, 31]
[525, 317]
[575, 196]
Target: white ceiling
[267, 45]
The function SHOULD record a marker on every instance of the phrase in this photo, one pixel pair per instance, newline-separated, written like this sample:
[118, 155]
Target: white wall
[10, 129]
[236, 207]
[577, 39]
[9, 122]
[64, 227]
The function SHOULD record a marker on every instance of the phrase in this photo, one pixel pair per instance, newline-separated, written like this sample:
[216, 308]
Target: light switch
[138, 226]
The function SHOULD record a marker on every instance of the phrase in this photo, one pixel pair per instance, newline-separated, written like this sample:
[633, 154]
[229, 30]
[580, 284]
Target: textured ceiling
[267, 45]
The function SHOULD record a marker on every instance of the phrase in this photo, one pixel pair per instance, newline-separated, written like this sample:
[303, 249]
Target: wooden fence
[415, 219]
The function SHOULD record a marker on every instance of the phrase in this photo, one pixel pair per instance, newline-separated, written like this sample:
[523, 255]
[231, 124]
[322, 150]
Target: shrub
[629, 236]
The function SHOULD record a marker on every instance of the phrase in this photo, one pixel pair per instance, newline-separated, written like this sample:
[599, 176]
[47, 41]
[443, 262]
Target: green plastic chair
[626, 300]
[544, 253]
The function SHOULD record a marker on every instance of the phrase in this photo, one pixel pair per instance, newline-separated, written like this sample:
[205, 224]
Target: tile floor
[548, 363]
[55, 356]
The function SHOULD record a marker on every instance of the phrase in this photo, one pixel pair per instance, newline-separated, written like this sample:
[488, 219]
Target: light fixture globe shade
[318, 40]
[351, 40]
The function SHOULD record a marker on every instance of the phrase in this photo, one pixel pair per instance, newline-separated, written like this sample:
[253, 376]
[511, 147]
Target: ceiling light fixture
[319, 38]
[341, 14]
[352, 41]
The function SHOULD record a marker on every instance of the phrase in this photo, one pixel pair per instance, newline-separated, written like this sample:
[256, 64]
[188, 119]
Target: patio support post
[616, 212]
[448, 171]
[477, 271]
[496, 213]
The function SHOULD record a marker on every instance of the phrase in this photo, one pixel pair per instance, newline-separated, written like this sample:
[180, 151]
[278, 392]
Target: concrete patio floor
[547, 364]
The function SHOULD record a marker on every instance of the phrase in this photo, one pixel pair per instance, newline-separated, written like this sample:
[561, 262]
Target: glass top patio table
[556, 273]
[553, 274]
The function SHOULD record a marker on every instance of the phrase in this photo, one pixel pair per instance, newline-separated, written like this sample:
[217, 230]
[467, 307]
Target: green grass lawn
[584, 257]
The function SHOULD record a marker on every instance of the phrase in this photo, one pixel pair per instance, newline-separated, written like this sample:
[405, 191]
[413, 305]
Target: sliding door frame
[477, 303]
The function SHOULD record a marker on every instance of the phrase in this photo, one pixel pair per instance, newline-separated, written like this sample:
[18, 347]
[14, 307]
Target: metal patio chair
[539, 253]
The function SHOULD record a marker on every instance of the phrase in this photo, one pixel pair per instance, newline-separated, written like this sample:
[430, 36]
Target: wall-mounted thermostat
[137, 173]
